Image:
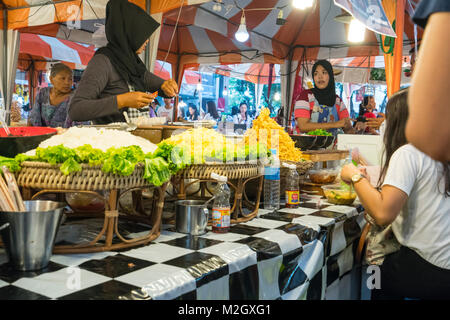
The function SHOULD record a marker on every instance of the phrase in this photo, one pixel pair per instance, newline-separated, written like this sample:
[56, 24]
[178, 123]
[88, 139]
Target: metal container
[30, 236]
[191, 217]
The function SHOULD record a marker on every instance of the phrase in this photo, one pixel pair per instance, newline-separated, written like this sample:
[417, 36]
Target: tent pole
[288, 93]
[5, 63]
[148, 6]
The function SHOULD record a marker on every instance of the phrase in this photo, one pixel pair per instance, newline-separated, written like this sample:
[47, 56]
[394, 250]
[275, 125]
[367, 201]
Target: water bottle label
[292, 197]
[221, 217]
[272, 173]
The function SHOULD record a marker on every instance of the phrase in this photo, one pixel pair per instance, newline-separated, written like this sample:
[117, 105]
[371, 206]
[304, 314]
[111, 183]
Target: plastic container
[272, 183]
[335, 194]
[323, 176]
[221, 206]
[292, 191]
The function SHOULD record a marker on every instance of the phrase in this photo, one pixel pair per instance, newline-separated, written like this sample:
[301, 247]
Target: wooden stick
[8, 202]
[14, 188]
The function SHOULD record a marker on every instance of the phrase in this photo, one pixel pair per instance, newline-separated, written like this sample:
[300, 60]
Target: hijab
[326, 96]
[127, 28]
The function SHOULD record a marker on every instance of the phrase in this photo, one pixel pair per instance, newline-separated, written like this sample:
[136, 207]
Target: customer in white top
[166, 111]
[415, 199]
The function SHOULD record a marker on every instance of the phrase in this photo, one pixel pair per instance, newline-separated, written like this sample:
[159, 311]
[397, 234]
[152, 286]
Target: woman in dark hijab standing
[116, 78]
[320, 107]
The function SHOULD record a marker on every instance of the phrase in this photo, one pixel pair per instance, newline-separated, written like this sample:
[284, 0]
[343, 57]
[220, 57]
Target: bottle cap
[219, 178]
[289, 165]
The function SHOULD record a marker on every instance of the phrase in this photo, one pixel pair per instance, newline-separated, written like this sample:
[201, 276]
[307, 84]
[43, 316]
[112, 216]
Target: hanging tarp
[370, 13]
[257, 73]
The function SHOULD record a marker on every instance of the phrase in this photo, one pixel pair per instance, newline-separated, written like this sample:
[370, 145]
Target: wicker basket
[41, 175]
[235, 170]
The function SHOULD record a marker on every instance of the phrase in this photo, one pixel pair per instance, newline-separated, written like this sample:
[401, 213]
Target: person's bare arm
[428, 124]
[382, 206]
[305, 125]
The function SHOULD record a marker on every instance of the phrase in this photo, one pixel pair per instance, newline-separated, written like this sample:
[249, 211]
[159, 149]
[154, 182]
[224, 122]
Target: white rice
[102, 139]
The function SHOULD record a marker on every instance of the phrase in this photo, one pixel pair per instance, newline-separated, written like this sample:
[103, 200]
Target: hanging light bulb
[280, 20]
[241, 34]
[225, 91]
[199, 85]
[277, 96]
[217, 6]
[356, 31]
[302, 4]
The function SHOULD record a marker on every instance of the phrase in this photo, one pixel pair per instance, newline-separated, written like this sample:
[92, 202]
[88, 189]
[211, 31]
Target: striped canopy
[29, 13]
[205, 36]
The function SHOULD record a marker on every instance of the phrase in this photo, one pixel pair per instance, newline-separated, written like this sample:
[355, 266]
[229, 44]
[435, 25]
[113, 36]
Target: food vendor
[52, 103]
[320, 107]
[116, 78]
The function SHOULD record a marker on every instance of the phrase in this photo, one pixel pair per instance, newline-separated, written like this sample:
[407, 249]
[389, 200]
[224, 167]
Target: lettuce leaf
[69, 166]
[156, 171]
[12, 164]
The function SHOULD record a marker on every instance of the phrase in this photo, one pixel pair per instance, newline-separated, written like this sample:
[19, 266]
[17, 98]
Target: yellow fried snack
[265, 130]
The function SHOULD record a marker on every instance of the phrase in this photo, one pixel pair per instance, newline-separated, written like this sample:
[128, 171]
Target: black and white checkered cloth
[291, 254]
[134, 114]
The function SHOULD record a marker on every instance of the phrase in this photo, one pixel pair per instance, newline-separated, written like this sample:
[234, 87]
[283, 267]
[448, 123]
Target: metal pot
[191, 217]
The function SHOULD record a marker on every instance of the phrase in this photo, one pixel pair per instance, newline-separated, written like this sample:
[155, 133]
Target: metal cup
[30, 236]
[191, 217]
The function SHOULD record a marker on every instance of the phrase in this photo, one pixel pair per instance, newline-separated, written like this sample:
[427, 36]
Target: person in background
[154, 106]
[413, 195]
[428, 125]
[166, 111]
[320, 107]
[211, 111]
[52, 103]
[413, 57]
[192, 113]
[243, 117]
[116, 79]
[365, 114]
[181, 114]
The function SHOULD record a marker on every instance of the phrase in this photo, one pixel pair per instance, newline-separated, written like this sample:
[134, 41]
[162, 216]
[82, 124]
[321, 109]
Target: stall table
[304, 253]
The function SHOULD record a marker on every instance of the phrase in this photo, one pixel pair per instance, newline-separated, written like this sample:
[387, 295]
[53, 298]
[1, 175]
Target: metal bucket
[191, 217]
[30, 236]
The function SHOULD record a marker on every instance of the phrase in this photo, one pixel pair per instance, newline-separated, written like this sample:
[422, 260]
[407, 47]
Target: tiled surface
[278, 255]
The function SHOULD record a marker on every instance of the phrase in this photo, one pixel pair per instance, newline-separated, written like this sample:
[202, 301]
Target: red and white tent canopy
[51, 48]
[205, 36]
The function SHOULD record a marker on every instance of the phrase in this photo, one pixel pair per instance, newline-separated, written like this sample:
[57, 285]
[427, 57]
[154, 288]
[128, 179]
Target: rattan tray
[235, 170]
[41, 175]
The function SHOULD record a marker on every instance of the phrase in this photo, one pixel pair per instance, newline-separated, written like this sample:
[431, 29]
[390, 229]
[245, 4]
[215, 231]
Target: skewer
[6, 200]
[14, 188]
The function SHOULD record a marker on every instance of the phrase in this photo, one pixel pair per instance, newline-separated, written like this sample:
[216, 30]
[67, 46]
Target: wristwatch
[357, 177]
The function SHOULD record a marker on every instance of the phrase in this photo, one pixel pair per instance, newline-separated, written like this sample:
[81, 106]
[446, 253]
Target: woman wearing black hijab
[116, 78]
[320, 107]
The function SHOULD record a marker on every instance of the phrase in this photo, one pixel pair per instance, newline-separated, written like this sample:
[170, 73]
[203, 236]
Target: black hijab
[127, 28]
[325, 96]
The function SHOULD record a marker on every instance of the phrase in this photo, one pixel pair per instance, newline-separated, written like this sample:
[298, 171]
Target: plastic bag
[99, 36]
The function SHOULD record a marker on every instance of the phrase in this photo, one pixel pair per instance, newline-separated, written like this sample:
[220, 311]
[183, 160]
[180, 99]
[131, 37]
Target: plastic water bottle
[292, 186]
[272, 183]
[221, 206]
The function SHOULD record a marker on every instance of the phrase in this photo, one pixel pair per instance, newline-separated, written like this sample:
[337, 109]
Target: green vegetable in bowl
[319, 132]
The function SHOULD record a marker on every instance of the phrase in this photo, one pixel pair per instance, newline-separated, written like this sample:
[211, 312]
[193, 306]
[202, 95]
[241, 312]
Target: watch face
[356, 177]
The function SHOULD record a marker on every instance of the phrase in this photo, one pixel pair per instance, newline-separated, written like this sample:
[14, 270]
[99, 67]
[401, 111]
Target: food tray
[41, 175]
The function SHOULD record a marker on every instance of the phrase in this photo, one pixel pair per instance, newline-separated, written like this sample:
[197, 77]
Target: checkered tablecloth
[304, 253]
